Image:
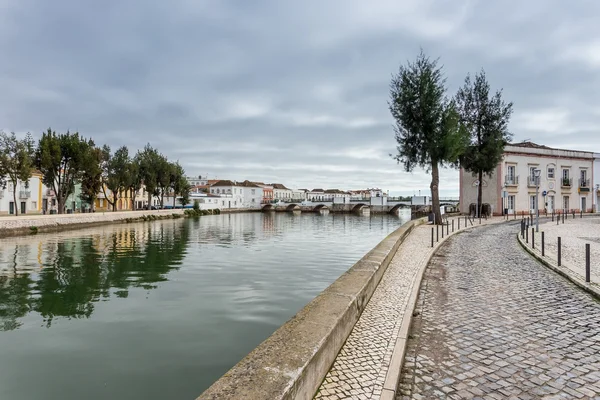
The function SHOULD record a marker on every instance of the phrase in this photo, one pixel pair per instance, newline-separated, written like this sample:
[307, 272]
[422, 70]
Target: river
[162, 309]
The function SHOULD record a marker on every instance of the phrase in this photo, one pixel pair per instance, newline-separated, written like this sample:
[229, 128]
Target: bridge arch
[358, 207]
[394, 209]
[268, 207]
[320, 207]
[292, 207]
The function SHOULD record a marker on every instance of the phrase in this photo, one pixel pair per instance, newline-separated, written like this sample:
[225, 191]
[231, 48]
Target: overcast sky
[289, 91]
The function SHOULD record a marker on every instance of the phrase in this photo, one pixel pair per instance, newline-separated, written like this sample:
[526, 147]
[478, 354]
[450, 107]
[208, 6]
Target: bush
[196, 206]
[33, 230]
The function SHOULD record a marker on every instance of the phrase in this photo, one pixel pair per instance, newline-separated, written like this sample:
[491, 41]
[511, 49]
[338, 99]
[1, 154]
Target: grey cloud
[294, 92]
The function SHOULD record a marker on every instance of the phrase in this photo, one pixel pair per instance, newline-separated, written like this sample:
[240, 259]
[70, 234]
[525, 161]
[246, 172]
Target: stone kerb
[293, 361]
[574, 234]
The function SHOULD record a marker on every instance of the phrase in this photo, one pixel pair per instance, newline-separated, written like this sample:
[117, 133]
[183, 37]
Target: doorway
[583, 204]
[550, 204]
[23, 207]
[11, 208]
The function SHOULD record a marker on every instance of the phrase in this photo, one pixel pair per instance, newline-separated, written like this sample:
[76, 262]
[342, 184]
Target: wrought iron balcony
[24, 194]
[532, 181]
[566, 182]
[584, 183]
[511, 180]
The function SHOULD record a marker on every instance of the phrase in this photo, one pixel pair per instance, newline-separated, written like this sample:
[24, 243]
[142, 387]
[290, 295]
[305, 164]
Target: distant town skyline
[276, 91]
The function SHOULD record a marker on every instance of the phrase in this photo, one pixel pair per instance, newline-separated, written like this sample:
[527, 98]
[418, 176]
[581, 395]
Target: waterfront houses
[30, 197]
[596, 184]
[238, 194]
[565, 181]
[280, 192]
[268, 196]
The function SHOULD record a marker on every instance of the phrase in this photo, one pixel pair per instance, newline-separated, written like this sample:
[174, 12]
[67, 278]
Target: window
[532, 172]
[511, 202]
[34, 205]
[566, 202]
[253, 199]
[565, 173]
[550, 172]
[101, 203]
[532, 202]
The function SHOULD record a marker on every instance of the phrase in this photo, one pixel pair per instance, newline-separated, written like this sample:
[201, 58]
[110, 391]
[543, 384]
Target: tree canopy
[16, 160]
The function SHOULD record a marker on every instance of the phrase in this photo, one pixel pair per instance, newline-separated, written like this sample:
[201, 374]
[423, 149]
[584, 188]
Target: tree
[134, 179]
[177, 181]
[427, 127]
[61, 159]
[91, 180]
[485, 118]
[16, 161]
[149, 161]
[184, 192]
[116, 174]
[163, 177]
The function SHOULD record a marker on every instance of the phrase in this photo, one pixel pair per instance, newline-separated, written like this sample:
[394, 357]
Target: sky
[289, 92]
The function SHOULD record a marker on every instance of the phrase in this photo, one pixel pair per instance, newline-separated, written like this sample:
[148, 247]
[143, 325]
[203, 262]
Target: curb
[590, 288]
[397, 362]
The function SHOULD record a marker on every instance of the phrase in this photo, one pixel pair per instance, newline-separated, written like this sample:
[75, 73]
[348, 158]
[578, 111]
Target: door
[22, 207]
[583, 204]
[511, 204]
[550, 204]
[11, 208]
[45, 206]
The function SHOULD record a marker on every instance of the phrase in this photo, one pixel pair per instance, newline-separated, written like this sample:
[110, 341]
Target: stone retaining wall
[292, 363]
[10, 226]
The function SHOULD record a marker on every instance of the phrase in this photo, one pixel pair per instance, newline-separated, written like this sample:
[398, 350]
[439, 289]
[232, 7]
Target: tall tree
[134, 179]
[427, 127]
[16, 161]
[177, 181]
[116, 175]
[61, 159]
[91, 180]
[485, 117]
[149, 162]
[163, 177]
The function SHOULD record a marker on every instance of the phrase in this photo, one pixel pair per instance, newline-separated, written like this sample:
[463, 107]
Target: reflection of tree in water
[82, 271]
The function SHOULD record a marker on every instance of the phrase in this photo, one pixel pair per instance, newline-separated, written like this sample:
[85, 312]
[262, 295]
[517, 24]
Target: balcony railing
[532, 181]
[511, 180]
[566, 182]
[24, 194]
[584, 183]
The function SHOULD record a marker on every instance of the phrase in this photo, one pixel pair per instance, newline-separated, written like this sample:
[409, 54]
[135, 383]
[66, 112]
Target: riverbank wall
[31, 224]
[293, 361]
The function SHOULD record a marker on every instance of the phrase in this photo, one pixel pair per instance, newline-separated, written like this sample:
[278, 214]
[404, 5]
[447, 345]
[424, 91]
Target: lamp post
[537, 174]
[477, 183]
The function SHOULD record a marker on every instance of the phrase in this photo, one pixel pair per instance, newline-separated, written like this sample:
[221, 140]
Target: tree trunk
[133, 206]
[479, 194]
[435, 196]
[15, 200]
[114, 204]
[162, 198]
[174, 199]
[149, 205]
[61, 204]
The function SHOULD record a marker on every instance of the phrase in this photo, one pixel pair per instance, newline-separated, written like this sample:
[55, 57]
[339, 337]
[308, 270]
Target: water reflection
[64, 275]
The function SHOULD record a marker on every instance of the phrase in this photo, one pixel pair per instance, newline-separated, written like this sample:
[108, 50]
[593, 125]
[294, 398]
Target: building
[332, 194]
[238, 194]
[30, 196]
[299, 195]
[316, 195]
[596, 185]
[124, 200]
[280, 192]
[197, 180]
[267, 192]
[565, 181]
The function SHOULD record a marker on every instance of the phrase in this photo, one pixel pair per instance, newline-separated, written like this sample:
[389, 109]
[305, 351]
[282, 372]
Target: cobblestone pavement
[492, 323]
[360, 368]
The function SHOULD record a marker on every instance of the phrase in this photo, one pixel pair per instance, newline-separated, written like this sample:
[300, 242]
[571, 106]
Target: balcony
[584, 185]
[24, 194]
[532, 181]
[511, 180]
[566, 183]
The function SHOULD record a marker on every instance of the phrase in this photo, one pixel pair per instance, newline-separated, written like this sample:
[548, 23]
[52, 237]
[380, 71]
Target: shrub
[196, 205]
[33, 230]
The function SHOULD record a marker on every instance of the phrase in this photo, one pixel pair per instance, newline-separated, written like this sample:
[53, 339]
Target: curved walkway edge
[578, 280]
[369, 364]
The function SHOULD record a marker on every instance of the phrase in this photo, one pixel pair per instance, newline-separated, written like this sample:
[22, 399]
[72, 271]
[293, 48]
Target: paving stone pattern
[493, 323]
[360, 368]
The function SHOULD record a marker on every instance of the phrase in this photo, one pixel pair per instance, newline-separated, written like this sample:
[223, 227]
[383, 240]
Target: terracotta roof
[223, 183]
[279, 186]
[247, 183]
[529, 145]
[317, 190]
[213, 181]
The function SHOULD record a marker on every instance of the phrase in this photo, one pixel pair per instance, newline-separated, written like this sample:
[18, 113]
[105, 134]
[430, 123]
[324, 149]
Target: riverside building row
[567, 180]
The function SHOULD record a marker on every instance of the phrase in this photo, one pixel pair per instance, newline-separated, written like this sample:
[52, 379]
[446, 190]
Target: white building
[596, 185]
[299, 194]
[197, 180]
[280, 192]
[332, 194]
[316, 195]
[238, 194]
[31, 196]
[565, 181]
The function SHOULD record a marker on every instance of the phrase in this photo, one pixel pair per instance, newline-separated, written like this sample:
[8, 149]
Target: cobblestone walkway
[495, 324]
[360, 368]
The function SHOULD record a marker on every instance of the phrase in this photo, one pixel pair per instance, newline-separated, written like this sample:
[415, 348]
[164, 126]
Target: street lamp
[537, 174]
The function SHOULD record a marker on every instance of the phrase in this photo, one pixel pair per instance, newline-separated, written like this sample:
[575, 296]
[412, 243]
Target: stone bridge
[391, 207]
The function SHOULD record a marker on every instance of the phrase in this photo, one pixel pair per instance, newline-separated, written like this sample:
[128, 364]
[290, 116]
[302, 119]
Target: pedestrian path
[361, 367]
[493, 323]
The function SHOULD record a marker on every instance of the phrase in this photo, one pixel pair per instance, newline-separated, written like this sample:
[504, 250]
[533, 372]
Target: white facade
[280, 192]
[315, 195]
[238, 195]
[596, 185]
[197, 180]
[332, 194]
[299, 194]
[565, 181]
[31, 196]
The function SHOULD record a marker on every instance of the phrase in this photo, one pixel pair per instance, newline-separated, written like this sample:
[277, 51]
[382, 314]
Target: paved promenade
[493, 323]
[361, 367]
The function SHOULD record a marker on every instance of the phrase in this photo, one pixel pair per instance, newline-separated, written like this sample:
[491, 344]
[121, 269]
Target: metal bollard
[557, 218]
[526, 235]
[466, 221]
[552, 216]
[437, 233]
[459, 224]
[442, 231]
[447, 228]
[515, 214]
[453, 226]
[432, 236]
[563, 217]
[580, 213]
[587, 262]
[543, 253]
[533, 238]
[559, 251]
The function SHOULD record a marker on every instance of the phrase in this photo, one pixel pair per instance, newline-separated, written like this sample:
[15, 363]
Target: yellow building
[124, 201]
